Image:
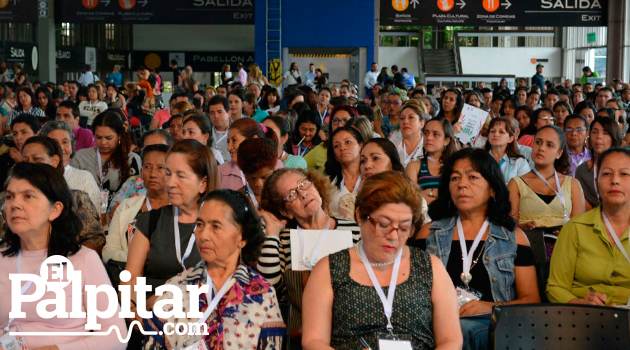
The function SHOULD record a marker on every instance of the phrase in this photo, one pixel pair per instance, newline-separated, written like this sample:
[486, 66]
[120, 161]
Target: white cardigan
[116, 245]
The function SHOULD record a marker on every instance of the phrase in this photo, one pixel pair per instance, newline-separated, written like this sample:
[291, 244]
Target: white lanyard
[252, 195]
[323, 116]
[409, 158]
[178, 248]
[310, 263]
[579, 162]
[388, 303]
[595, 179]
[467, 256]
[24, 289]
[558, 193]
[243, 178]
[212, 302]
[149, 208]
[283, 154]
[356, 186]
[216, 139]
[100, 165]
[615, 238]
[300, 152]
[433, 160]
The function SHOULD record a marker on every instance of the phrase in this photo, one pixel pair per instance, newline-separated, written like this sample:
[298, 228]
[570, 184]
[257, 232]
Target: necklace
[357, 250]
[466, 278]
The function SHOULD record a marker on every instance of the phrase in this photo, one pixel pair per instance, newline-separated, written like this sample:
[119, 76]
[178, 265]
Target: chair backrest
[286, 310]
[559, 326]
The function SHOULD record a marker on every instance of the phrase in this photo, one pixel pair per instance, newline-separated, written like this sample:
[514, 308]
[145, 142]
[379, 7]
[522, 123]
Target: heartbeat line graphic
[102, 333]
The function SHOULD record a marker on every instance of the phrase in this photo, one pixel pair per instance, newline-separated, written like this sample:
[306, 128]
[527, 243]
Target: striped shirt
[275, 257]
[425, 179]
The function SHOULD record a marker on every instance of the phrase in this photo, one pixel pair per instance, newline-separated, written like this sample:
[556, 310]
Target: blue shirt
[409, 80]
[115, 78]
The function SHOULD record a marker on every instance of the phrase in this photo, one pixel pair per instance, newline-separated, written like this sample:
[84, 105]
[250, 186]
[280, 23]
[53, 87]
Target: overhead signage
[558, 13]
[155, 11]
[21, 11]
[23, 53]
[199, 61]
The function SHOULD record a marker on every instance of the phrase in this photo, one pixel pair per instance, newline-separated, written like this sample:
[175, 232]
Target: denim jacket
[498, 259]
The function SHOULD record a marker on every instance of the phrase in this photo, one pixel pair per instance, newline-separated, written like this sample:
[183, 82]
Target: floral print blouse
[248, 314]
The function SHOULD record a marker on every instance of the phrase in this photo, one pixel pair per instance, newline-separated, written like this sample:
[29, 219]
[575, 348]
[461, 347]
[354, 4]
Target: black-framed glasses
[339, 121]
[303, 185]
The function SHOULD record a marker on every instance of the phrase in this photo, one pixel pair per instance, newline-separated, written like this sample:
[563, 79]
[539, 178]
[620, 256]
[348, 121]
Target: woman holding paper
[241, 307]
[346, 287]
[590, 263]
[295, 200]
[503, 147]
[471, 220]
[451, 108]
[546, 197]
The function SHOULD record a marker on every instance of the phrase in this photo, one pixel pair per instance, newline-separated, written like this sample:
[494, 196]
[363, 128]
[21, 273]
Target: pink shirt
[93, 273]
[231, 178]
[163, 115]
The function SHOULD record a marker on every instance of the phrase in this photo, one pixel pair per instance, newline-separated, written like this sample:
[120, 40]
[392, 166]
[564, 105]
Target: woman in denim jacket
[474, 200]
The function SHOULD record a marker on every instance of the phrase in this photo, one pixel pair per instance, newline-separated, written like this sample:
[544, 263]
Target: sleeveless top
[533, 208]
[358, 312]
[425, 179]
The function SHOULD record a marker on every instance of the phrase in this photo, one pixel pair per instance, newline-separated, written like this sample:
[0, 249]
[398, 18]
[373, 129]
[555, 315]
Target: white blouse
[82, 180]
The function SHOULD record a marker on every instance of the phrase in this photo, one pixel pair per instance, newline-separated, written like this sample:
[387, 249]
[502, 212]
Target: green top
[584, 257]
[584, 77]
[358, 311]
[316, 158]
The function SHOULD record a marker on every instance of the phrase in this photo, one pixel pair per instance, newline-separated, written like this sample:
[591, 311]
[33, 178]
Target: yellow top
[584, 257]
[316, 158]
[532, 208]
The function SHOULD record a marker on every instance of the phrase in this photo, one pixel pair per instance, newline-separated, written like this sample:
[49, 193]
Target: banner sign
[558, 13]
[199, 61]
[23, 53]
[21, 11]
[155, 11]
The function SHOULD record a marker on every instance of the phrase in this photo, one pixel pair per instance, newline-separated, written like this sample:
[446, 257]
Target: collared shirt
[578, 158]
[310, 78]
[371, 78]
[83, 138]
[584, 257]
[513, 167]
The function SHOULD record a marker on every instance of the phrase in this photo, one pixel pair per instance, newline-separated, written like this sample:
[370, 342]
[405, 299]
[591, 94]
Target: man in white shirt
[371, 78]
[88, 77]
[311, 76]
[218, 110]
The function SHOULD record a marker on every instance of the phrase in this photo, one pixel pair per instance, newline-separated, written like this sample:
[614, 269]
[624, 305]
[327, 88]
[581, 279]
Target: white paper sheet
[333, 241]
[472, 119]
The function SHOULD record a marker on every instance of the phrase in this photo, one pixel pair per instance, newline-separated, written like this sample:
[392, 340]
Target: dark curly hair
[63, 238]
[498, 210]
[255, 154]
[120, 158]
[245, 216]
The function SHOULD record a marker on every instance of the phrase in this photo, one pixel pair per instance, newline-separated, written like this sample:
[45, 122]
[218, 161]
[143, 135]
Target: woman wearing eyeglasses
[317, 157]
[344, 302]
[485, 254]
[576, 129]
[294, 199]
[541, 117]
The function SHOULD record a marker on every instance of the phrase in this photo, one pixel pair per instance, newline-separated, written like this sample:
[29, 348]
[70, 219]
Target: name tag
[13, 342]
[200, 345]
[389, 344]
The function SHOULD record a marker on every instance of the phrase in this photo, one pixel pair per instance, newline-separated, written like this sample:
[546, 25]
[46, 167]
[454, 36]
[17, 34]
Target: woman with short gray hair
[77, 179]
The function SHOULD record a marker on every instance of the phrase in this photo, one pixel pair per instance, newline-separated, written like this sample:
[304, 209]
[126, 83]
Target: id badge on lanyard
[13, 342]
[391, 341]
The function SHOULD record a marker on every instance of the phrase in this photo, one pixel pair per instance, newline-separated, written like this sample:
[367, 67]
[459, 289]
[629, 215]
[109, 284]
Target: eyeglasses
[339, 121]
[547, 118]
[303, 185]
[578, 130]
[397, 103]
[385, 229]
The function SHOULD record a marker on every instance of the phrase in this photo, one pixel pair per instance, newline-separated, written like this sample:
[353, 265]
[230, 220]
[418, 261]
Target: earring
[50, 228]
